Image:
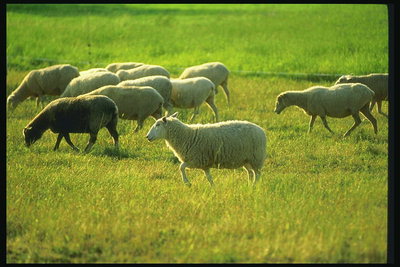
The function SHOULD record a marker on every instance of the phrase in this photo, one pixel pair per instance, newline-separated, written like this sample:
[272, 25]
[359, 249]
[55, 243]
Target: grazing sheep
[228, 144]
[114, 67]
[142, 71]
[377, 82]
[87, 83]
[338, 101]
[134, 102]
[215, 71]
[47, 81]
[161, 83]
[82, 114]
[90, 71]
[192, 92]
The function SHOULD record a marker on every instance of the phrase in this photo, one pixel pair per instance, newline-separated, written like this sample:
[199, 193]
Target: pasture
[322, 198]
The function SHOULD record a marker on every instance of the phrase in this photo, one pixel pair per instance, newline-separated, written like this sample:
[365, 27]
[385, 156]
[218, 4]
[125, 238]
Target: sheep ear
[174, 115]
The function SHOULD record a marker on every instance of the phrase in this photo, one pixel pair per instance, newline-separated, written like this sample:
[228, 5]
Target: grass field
[322, 198]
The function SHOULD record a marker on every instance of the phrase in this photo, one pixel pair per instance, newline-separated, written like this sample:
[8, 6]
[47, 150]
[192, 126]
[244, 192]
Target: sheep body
[82, 114]
[228, 144]
[215, 71]
[87, 83]
[114, 67]
[47, 81]
[338, 101]
[192, 92]
[142, 71]
[161, 83]
[133, 102]
[377, 82]
[90, 71]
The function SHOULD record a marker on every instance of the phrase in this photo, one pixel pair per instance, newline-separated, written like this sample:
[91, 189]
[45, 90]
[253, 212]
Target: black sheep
[82, 114]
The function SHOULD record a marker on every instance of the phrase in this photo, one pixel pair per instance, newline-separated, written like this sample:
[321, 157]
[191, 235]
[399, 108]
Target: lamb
[87, 83]
[377, 82]
[47, 81]
[134, 102]
[228, 144]
[142, 71]
[114, 67]
[192, 92]
[161, 83]
[215, 71]
[338, 101]
[82, 114]
[90, 71]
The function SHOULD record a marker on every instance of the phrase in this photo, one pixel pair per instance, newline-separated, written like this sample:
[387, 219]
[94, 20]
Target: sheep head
[158, 130]
[31, 135]
[280, 103]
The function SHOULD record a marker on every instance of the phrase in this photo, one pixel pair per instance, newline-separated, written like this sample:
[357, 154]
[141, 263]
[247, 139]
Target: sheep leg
[139, 125]
[211, 104]
[250, 173]
[357, 122]
[59, 138]
[113, 132]
[224, 85]
[367, 113]
[379, 104]
[182, 168]
[311, 124]
[209, 177]
[371, 106]
[326, 124]
[69, 142]
[92, 140]
[195, 112]
[168, 106]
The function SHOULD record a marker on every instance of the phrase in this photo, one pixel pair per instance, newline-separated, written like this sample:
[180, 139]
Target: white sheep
[377, 82]
[114, 67]
[90, 71]
[87, 83]
[82, 114]
[192, 92]
[338, 101]
[133, 102]
[47, 81]
[142, 71]
[215, 71]
[161, 83]
[228, 144]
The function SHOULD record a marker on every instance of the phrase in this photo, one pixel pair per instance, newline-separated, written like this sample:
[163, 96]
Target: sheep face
[158, 130]
[280, 104]
[11, 102]
[31, 136]
[343, 79]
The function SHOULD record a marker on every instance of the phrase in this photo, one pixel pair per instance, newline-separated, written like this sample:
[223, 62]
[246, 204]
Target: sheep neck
[22, 92]
[180, 137]
[40, 123]
[298, 99]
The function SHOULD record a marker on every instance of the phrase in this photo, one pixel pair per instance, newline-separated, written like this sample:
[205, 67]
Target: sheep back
[87, 83]
[82, 114]
[377, 82]
[215, 71]
[191, 92]
[142, 71]
[114, 67]
[161, 83]
[134, 102]
[338, 101]
[228, 144]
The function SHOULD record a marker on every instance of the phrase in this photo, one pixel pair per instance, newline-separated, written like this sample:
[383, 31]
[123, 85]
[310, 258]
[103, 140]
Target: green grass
[322, 198]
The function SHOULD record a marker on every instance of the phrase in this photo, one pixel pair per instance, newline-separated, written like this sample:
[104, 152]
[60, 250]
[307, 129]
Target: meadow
[321, 198]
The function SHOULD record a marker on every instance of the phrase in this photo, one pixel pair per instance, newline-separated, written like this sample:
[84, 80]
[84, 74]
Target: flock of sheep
[96, 98]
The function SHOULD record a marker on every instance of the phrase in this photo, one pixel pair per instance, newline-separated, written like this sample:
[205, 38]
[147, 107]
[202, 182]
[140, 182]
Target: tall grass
[322, 198]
